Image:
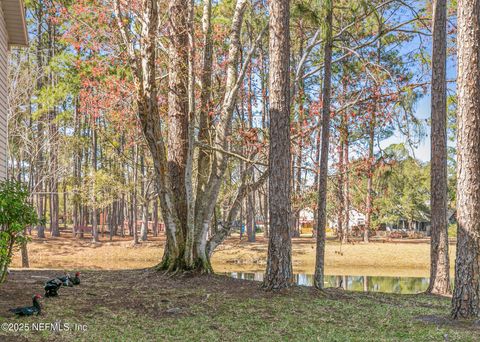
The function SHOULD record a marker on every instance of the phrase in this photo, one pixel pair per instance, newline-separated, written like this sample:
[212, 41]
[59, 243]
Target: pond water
[404, 285]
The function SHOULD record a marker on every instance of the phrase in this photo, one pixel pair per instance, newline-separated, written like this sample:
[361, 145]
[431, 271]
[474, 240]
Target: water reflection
[404, 285]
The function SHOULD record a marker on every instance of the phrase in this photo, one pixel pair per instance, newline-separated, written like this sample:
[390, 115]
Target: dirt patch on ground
[142, 291]
[473, 325]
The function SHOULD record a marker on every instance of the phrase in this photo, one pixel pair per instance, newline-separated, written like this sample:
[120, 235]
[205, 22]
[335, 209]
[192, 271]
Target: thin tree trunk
[54, 198]
[466, 295]
[155, 217]
[279, 260]
[439, 259]
[264, 101]
[340, 193]
[251, 196]
[369, 209]
[317, 174]
[77, 165]
[322, 183]
[94, 198]
[40, 162]
[346, 197]
[134, 199]
[65, 212]
[144, 227]
[371, 142]
[24, 249]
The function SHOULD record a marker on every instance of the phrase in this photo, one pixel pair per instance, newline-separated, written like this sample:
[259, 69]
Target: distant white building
[356, 219]
[306, 221]
[306, 215]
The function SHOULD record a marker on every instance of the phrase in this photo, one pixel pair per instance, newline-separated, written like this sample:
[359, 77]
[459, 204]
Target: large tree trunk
[279, 261]
[439, 260]
[178, 105]
[322, 183]
[466, 295]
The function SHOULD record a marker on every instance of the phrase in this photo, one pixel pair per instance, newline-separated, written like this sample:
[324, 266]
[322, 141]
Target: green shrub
[16, 213]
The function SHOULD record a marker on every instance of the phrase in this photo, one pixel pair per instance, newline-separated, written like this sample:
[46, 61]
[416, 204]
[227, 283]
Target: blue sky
[422, 151]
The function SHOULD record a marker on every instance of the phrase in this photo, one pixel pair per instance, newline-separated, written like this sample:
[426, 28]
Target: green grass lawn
[147, 306]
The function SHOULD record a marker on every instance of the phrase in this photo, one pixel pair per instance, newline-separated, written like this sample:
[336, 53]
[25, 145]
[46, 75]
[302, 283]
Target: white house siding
[3, 96]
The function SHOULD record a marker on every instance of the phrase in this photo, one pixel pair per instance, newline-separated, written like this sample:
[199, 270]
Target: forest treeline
[199, 115]
[75, 138]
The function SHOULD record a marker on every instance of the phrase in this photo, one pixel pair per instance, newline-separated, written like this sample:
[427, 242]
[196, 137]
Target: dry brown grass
[402, 258]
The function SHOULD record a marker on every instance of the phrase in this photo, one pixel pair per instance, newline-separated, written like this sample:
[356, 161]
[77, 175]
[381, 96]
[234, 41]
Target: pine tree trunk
[144, 227]
[155, 217]
[322, 183]
[369, 206]
[340, 193]
[266, 224]
[39, 167]
[24, 250]
[466, 295]
[346, 196]
[134, 199]
[54, 198]
[439, 259]
[317, 175]
[251, 196]
[77, 166]
[111, 220]
[371, 143]
[250, 208]
[279, 261]
[94, 198]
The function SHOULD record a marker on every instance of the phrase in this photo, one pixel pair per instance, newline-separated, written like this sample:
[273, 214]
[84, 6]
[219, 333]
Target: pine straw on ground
[145, 305]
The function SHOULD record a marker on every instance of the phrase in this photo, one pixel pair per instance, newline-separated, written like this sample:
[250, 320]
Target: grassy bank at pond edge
[145, 305]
